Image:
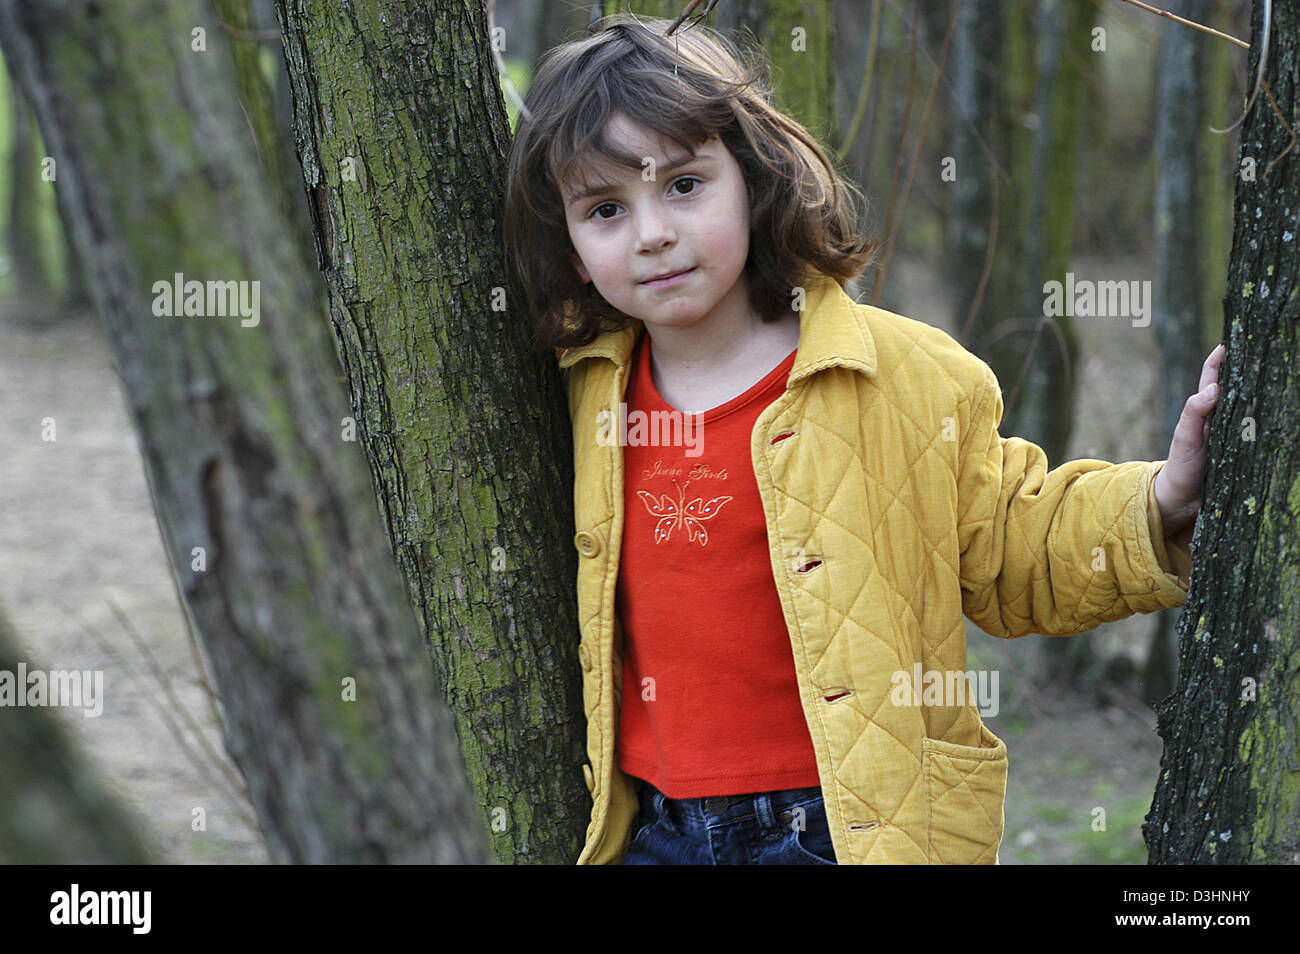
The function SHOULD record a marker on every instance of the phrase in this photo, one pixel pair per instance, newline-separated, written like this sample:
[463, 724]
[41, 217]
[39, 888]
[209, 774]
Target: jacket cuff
[1173, 560]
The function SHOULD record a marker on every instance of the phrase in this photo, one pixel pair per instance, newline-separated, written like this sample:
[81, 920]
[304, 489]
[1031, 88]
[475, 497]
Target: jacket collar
[833, 330]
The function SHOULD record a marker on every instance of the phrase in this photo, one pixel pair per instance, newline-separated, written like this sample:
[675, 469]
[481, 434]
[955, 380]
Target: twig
[1011, 324]
[501, 66]
[953, 104]
[1193, 24]
[195, 760]
[1282, 119]
[250, 34]
[687, 12]
[920, 137]
[994, 217]
[161, 676]
[252, 133]
[864, 90]
[1259, 74]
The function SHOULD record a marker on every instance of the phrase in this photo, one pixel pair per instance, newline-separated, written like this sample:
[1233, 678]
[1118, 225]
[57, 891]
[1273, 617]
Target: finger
[1210, 370]
[1193, 424]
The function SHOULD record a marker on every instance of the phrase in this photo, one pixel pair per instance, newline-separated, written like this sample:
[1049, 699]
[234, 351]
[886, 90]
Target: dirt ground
[78, 538]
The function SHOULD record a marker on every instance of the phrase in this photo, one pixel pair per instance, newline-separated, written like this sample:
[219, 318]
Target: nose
[653, 230]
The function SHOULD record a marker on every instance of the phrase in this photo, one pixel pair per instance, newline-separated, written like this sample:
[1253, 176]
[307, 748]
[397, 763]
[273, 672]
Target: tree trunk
[54, 807]
[76, 293]
[977, 181]
[245, 25]
[1230, 772]
[32, 286]
[1177, 317]
[883, 142]
[796, 34]
[402, 138]
[1045, 404]
[991, 132]
[265, 508]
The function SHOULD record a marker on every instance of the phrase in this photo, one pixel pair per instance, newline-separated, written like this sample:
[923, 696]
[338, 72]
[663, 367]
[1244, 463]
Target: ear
[577, 264]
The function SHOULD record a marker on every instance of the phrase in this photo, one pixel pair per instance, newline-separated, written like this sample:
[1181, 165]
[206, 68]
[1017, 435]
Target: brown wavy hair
[688, 87]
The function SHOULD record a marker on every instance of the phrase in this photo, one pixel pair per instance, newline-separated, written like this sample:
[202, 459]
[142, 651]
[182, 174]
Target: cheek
[576, 260]
[579, 253]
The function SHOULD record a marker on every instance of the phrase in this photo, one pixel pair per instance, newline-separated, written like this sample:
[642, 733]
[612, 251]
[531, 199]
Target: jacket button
[584, 657]
[588, 544]
[588, 777]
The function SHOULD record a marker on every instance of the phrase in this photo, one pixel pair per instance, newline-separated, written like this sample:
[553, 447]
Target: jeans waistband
[768, 807]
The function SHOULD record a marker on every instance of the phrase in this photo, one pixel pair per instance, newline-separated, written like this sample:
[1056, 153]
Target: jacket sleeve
[1056, 552]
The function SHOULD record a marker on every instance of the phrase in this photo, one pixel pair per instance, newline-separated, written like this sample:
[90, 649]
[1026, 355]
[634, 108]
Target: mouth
[667, 277]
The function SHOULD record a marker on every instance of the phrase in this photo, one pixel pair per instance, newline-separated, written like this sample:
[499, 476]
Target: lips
[665, 275]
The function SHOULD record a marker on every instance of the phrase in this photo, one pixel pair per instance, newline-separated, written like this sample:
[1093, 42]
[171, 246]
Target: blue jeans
[765, 828]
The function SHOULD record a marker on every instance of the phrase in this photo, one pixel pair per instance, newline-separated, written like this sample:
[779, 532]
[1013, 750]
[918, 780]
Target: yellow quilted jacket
[893, 508]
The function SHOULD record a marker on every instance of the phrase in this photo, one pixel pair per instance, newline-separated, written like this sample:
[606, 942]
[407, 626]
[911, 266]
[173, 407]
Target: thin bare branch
[1282, 119]
[501, 66]
[864, 90]
[1192, 23]
[204, 764]
[989, 254]
[1259, 74]
[890, 238]
[250, 34]
[687, 12]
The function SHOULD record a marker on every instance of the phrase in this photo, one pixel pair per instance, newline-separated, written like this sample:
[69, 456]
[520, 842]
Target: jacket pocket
[965, 789]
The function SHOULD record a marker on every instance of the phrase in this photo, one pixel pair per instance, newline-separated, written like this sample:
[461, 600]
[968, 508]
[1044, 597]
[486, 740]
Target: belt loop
[661, 809]
[763, 806]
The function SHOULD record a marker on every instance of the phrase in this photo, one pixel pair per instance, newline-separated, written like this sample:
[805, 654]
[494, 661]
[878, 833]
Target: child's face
[694, 218]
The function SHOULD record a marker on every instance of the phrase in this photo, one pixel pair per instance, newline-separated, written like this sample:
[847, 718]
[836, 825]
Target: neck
[732, 335]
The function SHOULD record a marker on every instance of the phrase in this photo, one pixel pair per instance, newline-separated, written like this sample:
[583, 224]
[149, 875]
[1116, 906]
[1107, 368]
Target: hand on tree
[1178, 483]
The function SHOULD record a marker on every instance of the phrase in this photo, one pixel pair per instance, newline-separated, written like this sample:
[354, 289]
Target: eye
[603, 205]
[690, 179]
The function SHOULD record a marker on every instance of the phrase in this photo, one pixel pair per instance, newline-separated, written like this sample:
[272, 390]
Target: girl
[785, 501]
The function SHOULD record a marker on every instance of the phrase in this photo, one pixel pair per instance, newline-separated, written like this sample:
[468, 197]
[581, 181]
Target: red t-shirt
[710, 699]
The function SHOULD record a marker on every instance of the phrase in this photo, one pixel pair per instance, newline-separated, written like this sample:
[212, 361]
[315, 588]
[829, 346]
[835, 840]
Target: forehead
[634, 137]
[591, 169]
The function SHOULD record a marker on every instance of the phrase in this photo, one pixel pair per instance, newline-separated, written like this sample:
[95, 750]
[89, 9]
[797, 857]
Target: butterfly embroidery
[671, 513]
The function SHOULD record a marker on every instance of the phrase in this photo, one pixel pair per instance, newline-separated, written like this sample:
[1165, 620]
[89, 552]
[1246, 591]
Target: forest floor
[79, 545]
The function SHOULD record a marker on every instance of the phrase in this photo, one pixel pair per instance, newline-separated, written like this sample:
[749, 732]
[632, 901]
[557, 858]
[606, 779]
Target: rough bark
[55, 808]
[1229, 786]
[402, 138]
[240, 430]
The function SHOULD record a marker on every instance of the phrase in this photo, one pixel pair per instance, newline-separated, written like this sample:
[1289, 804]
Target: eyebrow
[596, 188]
